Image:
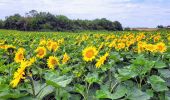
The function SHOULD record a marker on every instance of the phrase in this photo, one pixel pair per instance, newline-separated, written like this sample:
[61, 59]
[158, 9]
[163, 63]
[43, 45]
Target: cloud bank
[132, 13]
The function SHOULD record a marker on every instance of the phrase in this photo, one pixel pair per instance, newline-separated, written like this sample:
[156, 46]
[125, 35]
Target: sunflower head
[65, 58]
[89, 53]
[19, 56]
[161, 47]
[42, 42]
[52, 62]
[102, 60]
[150, 47]
[54, 46]
[49, 43]
[41, 52]
[120, 46]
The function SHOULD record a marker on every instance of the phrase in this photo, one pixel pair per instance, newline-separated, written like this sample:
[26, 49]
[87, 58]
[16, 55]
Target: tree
[1, 24]
[127, 29]
[43, 21]
[160, 26]
[118, 26]
[11, 21]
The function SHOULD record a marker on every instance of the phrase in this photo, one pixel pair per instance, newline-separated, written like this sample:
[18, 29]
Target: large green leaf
[136, 94]
[125, 74]
[79, 88]
[62, 94]
[91, 78]
[164, 73]
[160, 64]
[41, 90]
[57, 81]
[141, 66]
[157, 83]
[103, 94]
[6, 95]
[119, 92]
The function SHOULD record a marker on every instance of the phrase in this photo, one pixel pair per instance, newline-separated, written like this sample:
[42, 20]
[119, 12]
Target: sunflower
[161, 47]
[102, 60]
[41, 52]
[141, 46]
[19, 56]
[31, 61]
[19, 74]
[151, 47]
[54, 46]
[49, 42]
[52, 62]
[120, 46]
[101, 46]
[10, 47]
[89, 53]
[65, 58]
[42, 42]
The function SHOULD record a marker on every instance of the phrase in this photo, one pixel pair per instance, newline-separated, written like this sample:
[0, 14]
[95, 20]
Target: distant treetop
[45, 21]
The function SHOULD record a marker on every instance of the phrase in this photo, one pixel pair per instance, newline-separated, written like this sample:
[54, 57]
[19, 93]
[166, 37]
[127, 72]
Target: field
[84, 66]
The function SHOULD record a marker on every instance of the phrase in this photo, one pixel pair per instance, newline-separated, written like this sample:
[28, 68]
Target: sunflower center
[41, 52]
[53, 62]
[89, 53]
[160, 47]
[20, 56]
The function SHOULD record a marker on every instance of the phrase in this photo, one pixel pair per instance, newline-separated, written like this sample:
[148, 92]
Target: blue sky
[132, 13]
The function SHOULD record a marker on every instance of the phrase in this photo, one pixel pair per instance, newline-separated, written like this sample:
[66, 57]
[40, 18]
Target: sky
[131, 13]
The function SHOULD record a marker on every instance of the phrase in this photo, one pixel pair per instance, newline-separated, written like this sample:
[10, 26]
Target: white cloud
[129, 12]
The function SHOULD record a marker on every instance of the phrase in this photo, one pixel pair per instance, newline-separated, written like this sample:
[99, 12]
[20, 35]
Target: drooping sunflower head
[65, 58]
[89, 53]
[52, 62]
[102, 60]
[19, 56]
[41, 52]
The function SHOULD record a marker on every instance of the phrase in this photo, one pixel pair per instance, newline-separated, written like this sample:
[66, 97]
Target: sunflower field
[84, 66]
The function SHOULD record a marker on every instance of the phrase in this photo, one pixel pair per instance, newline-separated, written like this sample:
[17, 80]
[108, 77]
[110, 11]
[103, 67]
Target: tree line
[45, 21]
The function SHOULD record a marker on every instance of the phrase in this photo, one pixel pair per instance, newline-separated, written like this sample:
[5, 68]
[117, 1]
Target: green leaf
[164, 73]
[125, 74]
[141, 66]
[115, 56]
[62, 95]
[61, 81]
[157, 83]
[150, 92]
[119, 92]
[4, 87]
[27, 98]
[75, 97]
[136, 94]
[45, 91]
[6, 95]
[80, 89]
[160, 64]
[41, 90]
[91, 78]
[167, 95]
[57, 81]
[103, 94]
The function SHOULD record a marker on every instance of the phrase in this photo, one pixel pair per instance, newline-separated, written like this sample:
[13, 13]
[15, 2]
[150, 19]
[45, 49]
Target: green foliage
[124, 75]
[158, 84]
[42, 21]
